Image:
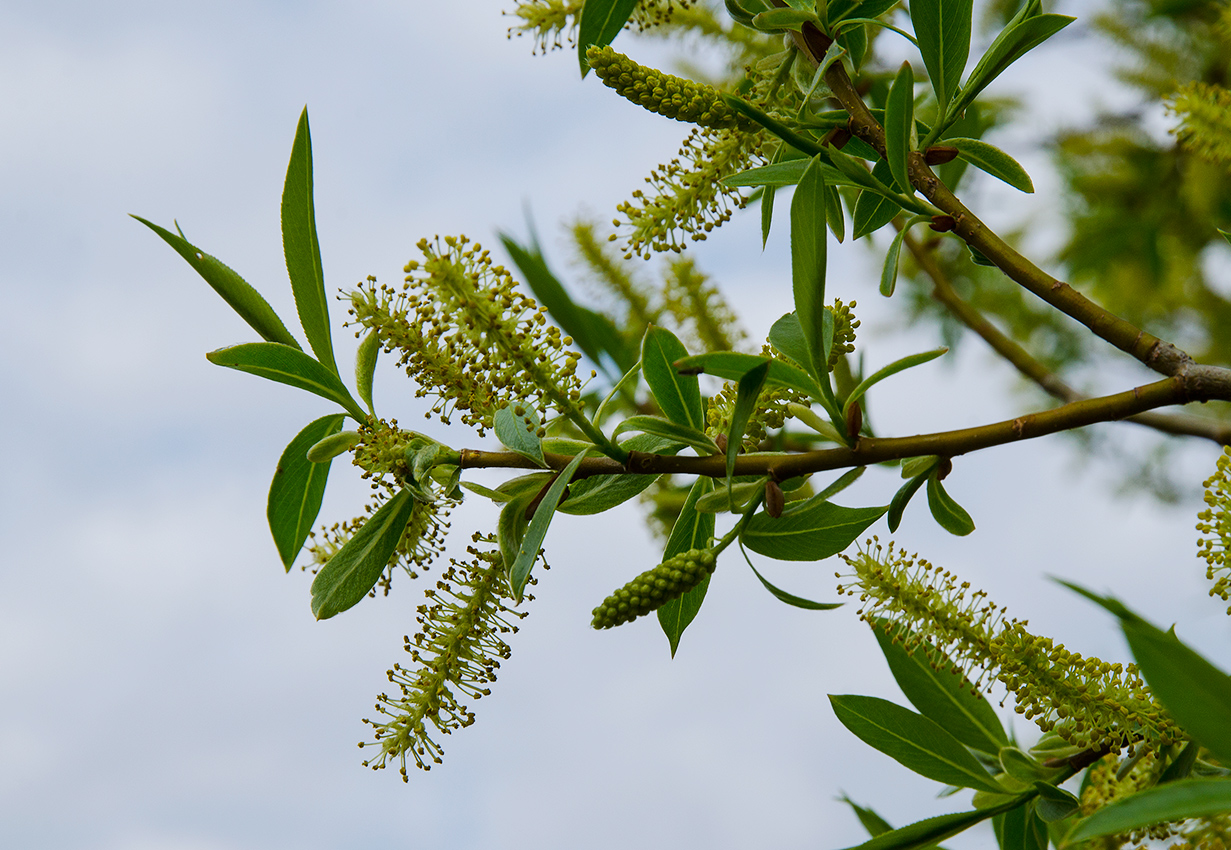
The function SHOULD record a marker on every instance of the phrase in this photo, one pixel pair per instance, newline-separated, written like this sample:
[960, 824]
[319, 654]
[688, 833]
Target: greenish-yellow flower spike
[655, 588]
[1215, 524]
[665, 94]
[1205, 115]
[1087, 702]
[844, 325]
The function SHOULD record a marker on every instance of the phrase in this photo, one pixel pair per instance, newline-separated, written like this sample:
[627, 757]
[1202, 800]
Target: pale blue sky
[165, 685]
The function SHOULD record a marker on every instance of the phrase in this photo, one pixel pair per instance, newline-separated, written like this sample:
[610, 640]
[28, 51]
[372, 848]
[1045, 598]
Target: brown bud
[838, 138]
[721, 440]
[854, 420]
[942, 223]
[939, 154]
[944, 468]
[774, 499]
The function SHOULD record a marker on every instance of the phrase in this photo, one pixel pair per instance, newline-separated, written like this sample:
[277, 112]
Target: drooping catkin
[654, 588]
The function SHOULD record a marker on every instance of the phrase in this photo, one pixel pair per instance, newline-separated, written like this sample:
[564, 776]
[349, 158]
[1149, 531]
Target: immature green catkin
[665, 94]
[458, 649]
[1215, 523]
[1086, 701]
[655, 588]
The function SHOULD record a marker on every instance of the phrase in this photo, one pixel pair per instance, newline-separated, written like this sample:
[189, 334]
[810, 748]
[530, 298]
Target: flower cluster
[457, 650]
[1205, 120]
[1088, 702]
[1215, 523]
[654, 588]
[614, 276]
[665, 94]
[549, 21]
[696, 304]
[467, 336]
[844, 325]
[687, 198]
[770, 414]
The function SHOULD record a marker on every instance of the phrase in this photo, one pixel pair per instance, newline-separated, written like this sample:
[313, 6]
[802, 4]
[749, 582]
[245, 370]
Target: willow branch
[1161, 356]
[1030, 367]
[1194, 383]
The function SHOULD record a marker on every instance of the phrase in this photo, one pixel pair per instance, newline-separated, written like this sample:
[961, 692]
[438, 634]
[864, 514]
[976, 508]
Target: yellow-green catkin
[770, 414]
[665, 94]
[1086, 701]
[469, 337]
[553, 23]
[1205, 120]
[697, 306]
[616, 278]
[1214, 523]
[457, 651]
[655, 588]
[844, 325]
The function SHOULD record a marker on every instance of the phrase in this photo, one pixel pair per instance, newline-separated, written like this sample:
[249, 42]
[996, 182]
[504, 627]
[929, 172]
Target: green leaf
[792, 599]
[734, 499]
[787, 338]
[679, 396]
[746, 393]
[1022, 35]
[600, 493]
[1021, 829]
[771, 176]
[692, 530]
[926, 833]
[665, 428]
[511, 526]
[732, 366]
[365, 368]
[811, 530]
[845, 480]
[486, 492]
[1054, 804]
[889, 272]
[1182, 765]
[355, 568]
[298, 487]
[902, 498]
[994, 161]
[943, 30]
[808, 260]
[926, 678]
[517, 427]
[236, 291]
[302, 250]
[277, 362]
[872, 822]
[782, 20]
[948, 514]
[887, 371]
[537, 529]
[872, 210]
[601, 21]
[900, 124]
[833, 212]
[810, 147]
[1187, 798]
[913, 741]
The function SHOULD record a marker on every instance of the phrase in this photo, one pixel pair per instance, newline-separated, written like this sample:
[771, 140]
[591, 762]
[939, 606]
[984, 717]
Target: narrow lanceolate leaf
[746, 393]
[365, 368]
[1023, 34]
[926, 679]
[889, 272]
[913, 741]
[1021, 829]
[519, 574]
[808, 260]
[354, 570]
[600, 493]
[601, 21]
[302, 250]
[665, 428]
[900, 124]
[679, 396]
[994, 161]
[236, 291]
[1188, 798]
[517, 427]
[890, 370]
[692, 530]
[951, 516]
[286, 365]
[943, 30]
[834, 213]
[872, 210]
[926, 833]
[1195, 692]
[791, 599]
[733, 365]
[808, 531]
[297, 489]
[787, 338]
[902, 498]
[872, 822]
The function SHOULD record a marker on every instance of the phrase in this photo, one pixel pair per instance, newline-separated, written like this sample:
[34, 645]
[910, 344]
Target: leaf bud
[942, 223]
[939, 154]
[854, 420]
[335, 444]
[774, 499]
[654, 588]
